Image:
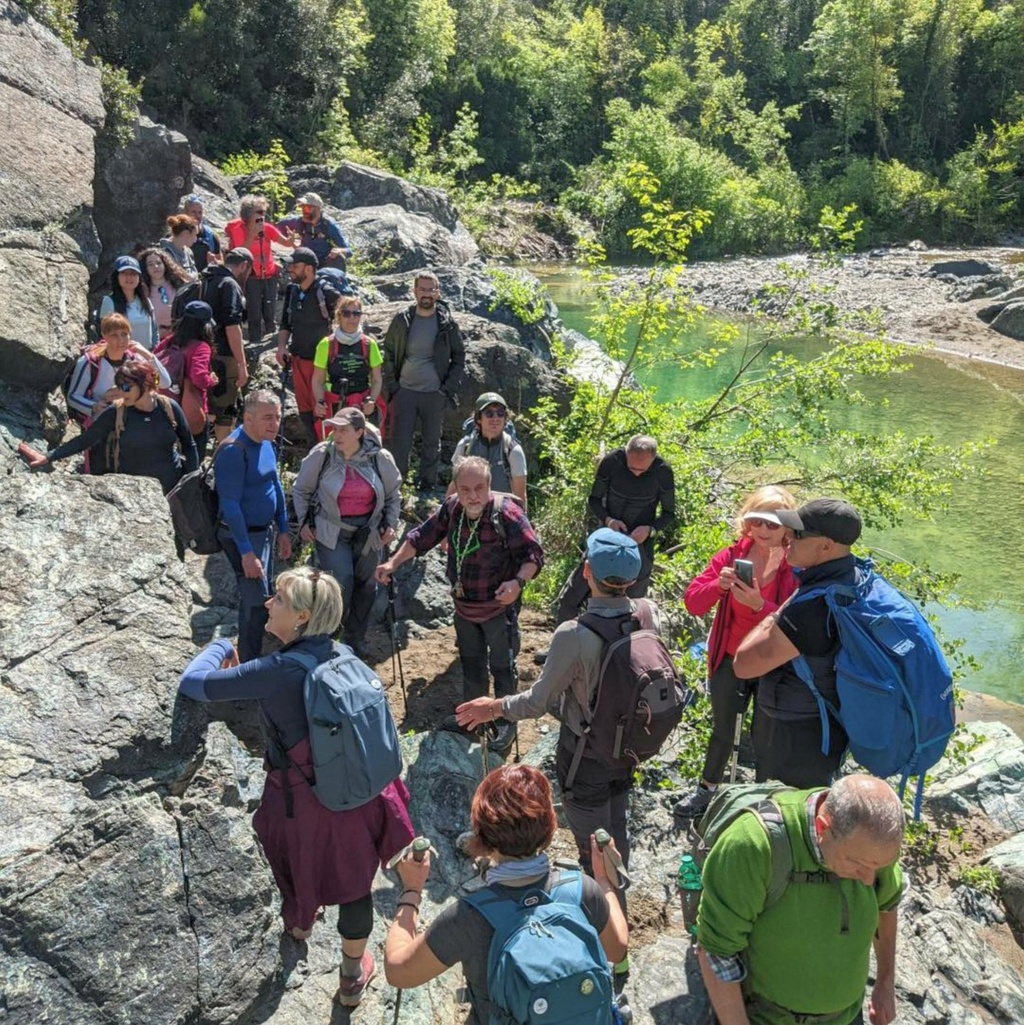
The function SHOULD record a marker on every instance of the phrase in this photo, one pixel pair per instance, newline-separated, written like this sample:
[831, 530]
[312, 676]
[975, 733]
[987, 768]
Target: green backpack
[736, 799]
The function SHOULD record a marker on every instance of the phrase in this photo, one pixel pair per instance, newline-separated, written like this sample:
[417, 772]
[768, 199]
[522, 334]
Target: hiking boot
[540, 657]
[462, 842]
[695, 805]
[350, 992]
[503, 736]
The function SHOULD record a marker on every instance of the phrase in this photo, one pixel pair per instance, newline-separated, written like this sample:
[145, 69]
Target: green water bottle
[690, 886]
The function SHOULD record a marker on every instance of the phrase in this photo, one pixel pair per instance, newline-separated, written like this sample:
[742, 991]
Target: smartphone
[744, 571]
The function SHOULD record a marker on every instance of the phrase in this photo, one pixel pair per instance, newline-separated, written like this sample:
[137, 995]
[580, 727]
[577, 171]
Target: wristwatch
[521, 582]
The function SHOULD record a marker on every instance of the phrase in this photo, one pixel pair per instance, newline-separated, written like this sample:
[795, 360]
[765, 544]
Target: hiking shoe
[462, 842]
[695, 805]
[503, 735]
[540, 657]
[350, 992]
[449, 724]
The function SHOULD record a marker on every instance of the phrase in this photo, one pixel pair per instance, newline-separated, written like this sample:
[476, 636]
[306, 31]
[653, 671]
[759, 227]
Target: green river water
[982, 535]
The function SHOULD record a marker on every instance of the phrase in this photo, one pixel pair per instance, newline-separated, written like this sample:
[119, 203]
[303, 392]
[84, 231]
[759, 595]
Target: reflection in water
[980, 537]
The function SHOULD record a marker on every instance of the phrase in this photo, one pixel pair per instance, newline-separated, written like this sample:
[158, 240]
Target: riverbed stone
[1010, 320]
[1008, 860]
[963, 268]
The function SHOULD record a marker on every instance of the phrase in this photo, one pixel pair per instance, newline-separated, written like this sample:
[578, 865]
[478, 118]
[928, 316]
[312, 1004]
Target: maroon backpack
[639, 698]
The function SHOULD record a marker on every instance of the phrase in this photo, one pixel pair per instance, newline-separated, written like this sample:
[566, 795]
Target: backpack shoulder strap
[498, 520]
[769, 815]
[608, 628]
[303, 658]
[165, 405]
[569, 888]
[365, 342]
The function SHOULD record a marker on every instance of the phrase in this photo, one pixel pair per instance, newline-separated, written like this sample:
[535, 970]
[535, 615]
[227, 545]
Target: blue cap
[613, 556]
[127, 263]
[198, 309]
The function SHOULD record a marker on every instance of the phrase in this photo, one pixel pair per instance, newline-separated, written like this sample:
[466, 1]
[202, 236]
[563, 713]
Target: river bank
[914, 305]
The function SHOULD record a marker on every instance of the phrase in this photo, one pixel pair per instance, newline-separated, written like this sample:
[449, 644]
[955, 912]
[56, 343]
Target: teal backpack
[352, 735]
[546, 965]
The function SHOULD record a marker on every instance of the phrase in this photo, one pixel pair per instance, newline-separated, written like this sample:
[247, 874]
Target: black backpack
[195, 508]
[191, 291]
[639, 698]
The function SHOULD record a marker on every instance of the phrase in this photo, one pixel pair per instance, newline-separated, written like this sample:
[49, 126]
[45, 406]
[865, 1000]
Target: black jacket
[449, 350]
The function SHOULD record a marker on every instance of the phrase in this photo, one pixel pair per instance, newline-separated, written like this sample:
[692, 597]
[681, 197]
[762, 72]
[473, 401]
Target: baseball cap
[826, 517]
[310, 199]
[127, 263]
[490, 398]
[613, 556]
[348, 416]
[239, 255]
[198, 309]
[304, 255]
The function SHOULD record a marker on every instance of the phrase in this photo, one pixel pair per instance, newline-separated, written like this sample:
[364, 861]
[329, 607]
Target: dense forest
[759, 112]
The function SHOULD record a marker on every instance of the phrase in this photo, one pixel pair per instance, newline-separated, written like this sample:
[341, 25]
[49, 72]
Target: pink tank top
[357, 497]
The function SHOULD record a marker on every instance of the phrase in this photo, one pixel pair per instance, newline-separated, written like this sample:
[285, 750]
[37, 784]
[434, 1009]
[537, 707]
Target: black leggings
[729, 699]
[355, 919]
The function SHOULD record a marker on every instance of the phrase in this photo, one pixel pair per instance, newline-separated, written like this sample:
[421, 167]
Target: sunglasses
[126, 386]
[495, 414]
[756, 522]
[259, 220]
[351, 313]
[799, 535]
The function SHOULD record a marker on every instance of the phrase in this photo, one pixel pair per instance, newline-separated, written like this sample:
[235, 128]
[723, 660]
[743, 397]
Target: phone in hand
[744, 571]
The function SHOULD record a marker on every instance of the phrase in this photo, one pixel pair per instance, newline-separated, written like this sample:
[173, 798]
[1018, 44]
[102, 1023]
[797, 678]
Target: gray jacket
[373, 463]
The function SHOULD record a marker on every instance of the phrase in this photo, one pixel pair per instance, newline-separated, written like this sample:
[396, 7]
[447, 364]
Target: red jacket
[704, 594]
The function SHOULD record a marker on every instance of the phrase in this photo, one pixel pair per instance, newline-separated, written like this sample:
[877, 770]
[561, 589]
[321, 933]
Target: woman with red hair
[513, 822]
[141, 433]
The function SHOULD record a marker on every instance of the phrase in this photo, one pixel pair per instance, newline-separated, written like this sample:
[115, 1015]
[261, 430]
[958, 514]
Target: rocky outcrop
[50, 111]
[137, 187]
[1010, 320]
[962, 268]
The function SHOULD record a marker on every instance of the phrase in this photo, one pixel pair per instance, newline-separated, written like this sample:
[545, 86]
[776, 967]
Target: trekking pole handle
[603, 838]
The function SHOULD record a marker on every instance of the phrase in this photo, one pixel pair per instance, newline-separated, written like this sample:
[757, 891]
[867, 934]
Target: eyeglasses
[799, 535]
[766, 524]
[495, 414]
[351, 313]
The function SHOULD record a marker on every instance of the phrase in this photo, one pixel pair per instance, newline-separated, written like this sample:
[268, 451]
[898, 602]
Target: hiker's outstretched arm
[763, 649]
[882, 1005]
[726, 997]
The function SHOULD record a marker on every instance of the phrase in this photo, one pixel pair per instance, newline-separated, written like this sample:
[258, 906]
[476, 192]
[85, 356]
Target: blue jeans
[355, 577]
[252, 594]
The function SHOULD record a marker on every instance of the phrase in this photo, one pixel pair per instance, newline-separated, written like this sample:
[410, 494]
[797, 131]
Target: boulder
[1008, 860]
[50, 109]
[217, 190]
[43, 286]
[114, 893]
[353, 185]
[137, 187]
[989, 312]
[962, 268]
[1010, 320]
[393, 239]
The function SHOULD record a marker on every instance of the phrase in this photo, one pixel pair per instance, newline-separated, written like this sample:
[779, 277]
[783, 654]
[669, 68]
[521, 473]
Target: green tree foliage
[757, 111]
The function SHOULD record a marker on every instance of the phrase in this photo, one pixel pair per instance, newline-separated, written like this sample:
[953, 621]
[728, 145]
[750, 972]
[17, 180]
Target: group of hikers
[800, 877]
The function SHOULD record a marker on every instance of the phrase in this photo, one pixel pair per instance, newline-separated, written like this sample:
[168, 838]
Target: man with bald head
[804, 958]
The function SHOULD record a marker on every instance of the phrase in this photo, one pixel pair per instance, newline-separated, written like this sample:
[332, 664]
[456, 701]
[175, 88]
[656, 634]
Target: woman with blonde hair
[739, 607]
[318, 856]
[347, 368]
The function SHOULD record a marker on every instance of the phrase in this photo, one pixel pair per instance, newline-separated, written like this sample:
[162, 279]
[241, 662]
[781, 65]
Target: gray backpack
[352, 736]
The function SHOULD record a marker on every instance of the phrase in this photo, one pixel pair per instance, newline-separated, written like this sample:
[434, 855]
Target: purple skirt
[321, 857]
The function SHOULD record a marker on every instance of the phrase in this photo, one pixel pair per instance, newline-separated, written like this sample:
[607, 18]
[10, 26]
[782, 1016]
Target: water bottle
[690, 886]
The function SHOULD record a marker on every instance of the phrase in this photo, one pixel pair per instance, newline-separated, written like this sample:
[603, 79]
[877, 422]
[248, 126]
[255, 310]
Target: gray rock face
[963, 268]
[113, 900]
[50, 109]
[1008, 860]
[354, 185]
[395, 239]
[1010, 320]
[137, 187]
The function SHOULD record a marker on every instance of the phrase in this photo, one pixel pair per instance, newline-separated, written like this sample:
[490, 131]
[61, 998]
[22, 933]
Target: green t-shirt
[796, 953]
[353, 352]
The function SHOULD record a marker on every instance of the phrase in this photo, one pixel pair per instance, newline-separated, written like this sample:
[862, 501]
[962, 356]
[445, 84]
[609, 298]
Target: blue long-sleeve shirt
[249, 487]
[274, 681]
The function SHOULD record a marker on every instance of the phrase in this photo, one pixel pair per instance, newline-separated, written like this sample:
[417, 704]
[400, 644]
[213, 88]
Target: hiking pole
[514, 670]
[419, 848]
[396, 655]
[484, 731]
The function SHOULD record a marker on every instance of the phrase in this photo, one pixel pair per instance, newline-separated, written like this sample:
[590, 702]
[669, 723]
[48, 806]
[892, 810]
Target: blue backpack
[352, 735]
[546, 965]
[895, 689]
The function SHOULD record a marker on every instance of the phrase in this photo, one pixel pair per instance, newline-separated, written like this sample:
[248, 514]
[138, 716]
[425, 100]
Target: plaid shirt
[493, 562]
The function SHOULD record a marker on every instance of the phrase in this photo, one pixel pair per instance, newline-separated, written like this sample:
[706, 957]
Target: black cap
[304, 255]
[826, 517]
